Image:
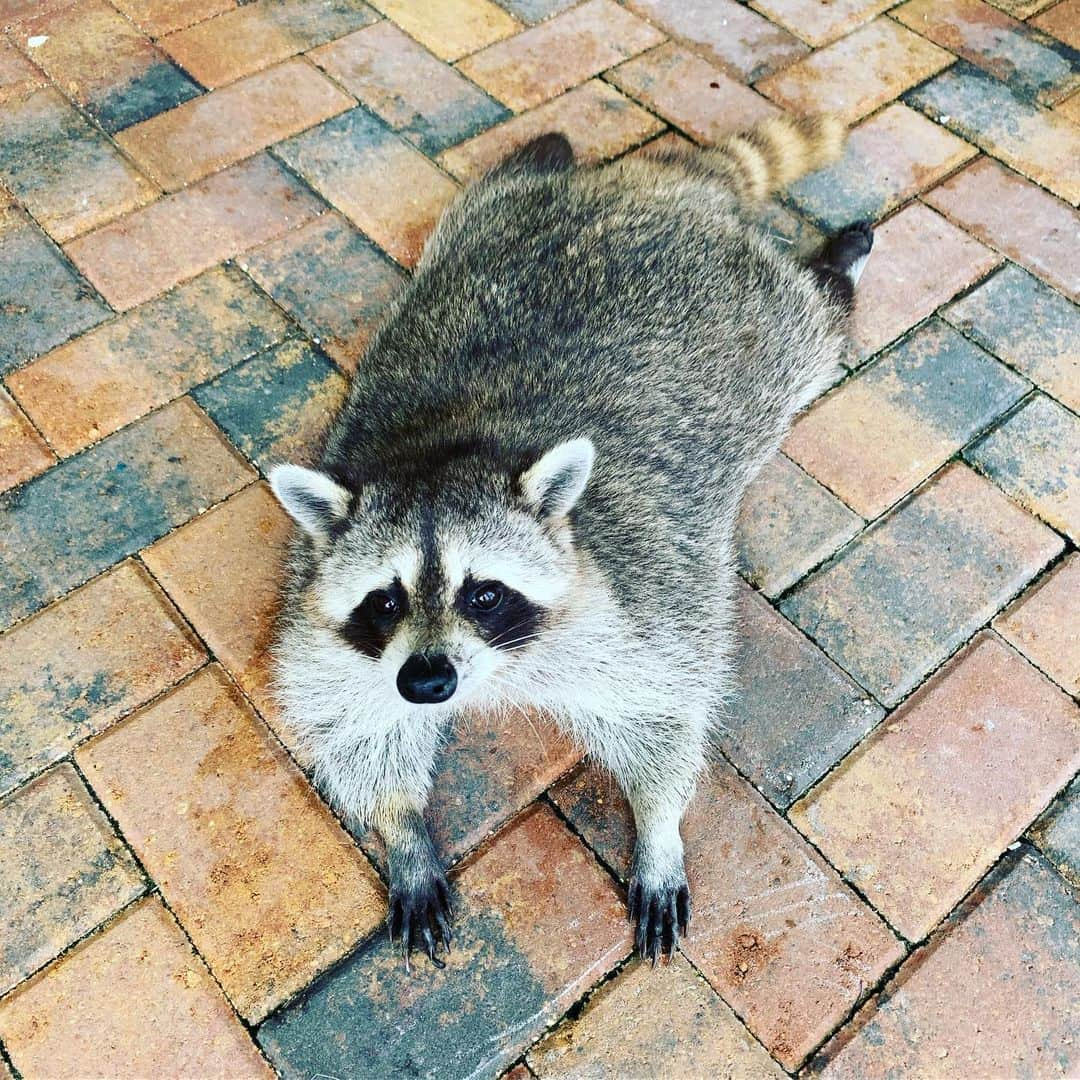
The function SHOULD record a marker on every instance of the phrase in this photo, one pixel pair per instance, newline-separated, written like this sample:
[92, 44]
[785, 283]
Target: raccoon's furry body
[634, 306]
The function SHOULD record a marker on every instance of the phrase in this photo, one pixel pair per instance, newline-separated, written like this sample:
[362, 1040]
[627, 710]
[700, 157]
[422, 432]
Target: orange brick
[1063, 21]
[817, 22]
[536, 65]
[18, 77]
[597, 119]
[103, 380]
[375, 178]
[857, 74]
[255, 35]
[1070, 109]
[1042, 624]
[65, 872]
[202, 136]
[919, 261]
[183, 234]
[264, 880]
[159, 17]
[224, 570]
[23, 452]
[912, 829]
[451, 28]
[173, 1020]
[73, 669]
[691, 93]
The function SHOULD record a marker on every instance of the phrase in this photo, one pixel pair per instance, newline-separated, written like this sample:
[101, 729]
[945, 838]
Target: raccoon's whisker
[498, 638]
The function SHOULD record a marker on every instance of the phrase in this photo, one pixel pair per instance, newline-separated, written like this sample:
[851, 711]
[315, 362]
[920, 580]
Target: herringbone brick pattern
[204, 207]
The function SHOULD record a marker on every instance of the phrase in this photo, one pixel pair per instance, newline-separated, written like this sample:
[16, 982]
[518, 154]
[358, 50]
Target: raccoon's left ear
[314, 501]
[554, 484]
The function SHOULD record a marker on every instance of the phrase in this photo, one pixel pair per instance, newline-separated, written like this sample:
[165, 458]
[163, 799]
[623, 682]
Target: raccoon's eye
[382, 603]
[486, 597]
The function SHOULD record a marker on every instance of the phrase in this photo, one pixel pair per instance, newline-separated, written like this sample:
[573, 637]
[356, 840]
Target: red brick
[23, 452]
[909, 826]
[264, 880]
[597, 119]
[1063, 21]
[65, 872]
[451, 28]
[817, 22]
[18, 77]
[185, 144]
[183, 234]
[159, 17]
[992, 995]
[174, 1019]
[540, 63]
[857, 74]
[902, 285]
[1042, 624]
[730, 35]
[691, 93]
[1016, 218]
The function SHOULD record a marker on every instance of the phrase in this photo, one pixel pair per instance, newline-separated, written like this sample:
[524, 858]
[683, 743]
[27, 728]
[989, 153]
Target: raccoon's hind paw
[662, 913]
[420, 917]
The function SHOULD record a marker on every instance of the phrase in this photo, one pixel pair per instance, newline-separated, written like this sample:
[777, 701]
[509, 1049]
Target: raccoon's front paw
[662, 913]
[420, 916]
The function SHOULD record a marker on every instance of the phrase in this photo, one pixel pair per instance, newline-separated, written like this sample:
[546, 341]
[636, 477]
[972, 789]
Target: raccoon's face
[436, 592]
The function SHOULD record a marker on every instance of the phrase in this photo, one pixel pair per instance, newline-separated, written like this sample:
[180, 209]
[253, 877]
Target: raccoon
[528, 498]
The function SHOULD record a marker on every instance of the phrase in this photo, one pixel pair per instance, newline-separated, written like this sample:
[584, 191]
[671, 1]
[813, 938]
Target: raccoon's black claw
[662, 914]
[420, 917]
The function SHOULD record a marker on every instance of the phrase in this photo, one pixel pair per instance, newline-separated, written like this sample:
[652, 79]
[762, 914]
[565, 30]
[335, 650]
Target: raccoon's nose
[427, 680]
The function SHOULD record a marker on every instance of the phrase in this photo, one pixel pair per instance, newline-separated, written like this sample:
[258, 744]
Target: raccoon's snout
[427, 680]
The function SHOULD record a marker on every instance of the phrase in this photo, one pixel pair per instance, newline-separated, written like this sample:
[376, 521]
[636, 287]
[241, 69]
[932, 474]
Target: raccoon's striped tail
[775, 153]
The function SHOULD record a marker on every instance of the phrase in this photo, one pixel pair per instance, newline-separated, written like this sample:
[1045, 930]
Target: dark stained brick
[91, 510]
[42, 300]
[538, 922]
[276, 406]
[1057, 833]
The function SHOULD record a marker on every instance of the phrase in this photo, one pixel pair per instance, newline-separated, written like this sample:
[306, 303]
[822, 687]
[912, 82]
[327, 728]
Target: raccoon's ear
[556, 481]
[314, 501]
[546, 153]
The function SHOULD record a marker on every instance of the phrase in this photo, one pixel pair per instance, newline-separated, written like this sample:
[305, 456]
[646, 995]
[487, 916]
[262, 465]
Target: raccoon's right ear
[554, 484]
[550, 152]
[314, 501]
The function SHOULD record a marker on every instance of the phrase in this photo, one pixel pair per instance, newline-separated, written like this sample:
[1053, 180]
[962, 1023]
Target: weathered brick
[451, 28]
[1042, 624]
[738, 40]
[174, 1020]
[332, 280]
[1070, 108]
[534, 11]
[254, 36]
[782, 676]
[787, 525]
[1031, 327]
[76, 667]
[63, 170]
[776, 932]
[181, 235]
[912, 588]
[912, 829]
[203, 136]
[18, 77]
[679, 1028]
[23, 452]
[1021, 9]
[103, 380]
[903, 283]
[855, 75]
[597, 119]
[375, 178]
[989, 997]
[1038, 143]
[106, 64]
[886, 430]
[88, 512]
[540, 63]
[889, 158]
[537, 923]
[276, 406]
[1057, 833]
[65, 871]
[42, 300]
[1016, 218]
[1034, 456]
[1063, 21]
[691, 93]
[428, 102]
[265, 881]
[820, 23]
[158, 17]
[1030, 63]
[224, 571]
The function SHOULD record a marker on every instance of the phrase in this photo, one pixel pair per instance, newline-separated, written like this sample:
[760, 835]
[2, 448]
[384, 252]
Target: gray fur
[633, 305]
